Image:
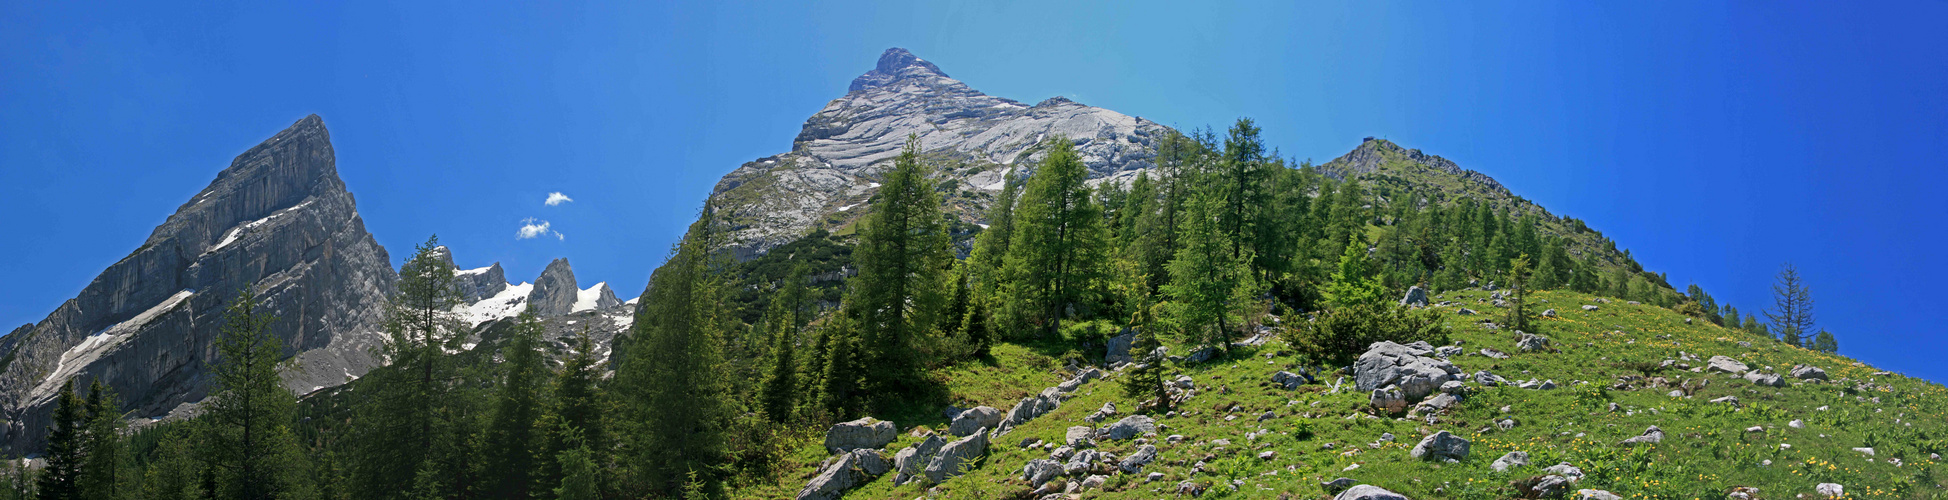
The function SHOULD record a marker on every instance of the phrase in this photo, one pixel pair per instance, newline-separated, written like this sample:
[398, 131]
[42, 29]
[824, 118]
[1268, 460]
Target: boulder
[850, 469]
[1464, 312]
[1511, 459]
[1489, 379]
[1651, 435]
[1039, 471]
[1494, 354]
[1807, 372]
[1831, 490]
[1454, 387]
[1134, 463]
[1765, 379]
[974, 419]
[1550, 486]
[1093, 482]
[1530, 342]
[1565, 470]
[862, 433]
[1386, 363]
[1587, 307]
[1108, 410]
[1119, 348]
[1368, 492]
[1130, 427]
[1448, 351]
[1335, 486]
[1549, 313]
[1201, 355]
[1287, 379]
[1388, 400]
[955, 456]
[1415, 297]
[1725, 364]
[1029, 408]
[1078, 436]
[912, 461]
[1083, 462]
[1441, 446]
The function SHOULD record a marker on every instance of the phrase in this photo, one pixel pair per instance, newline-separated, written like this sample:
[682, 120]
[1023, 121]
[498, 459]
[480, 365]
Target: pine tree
[1518, 294]
[511, 437]
[1824, 342]
[102, 476]
[679, 401]
[897, 298]
[248, 422]
[66, 448]
[1059, 242]
[576, 420]
[1792, 307]
[407, 421]
[1206, 282]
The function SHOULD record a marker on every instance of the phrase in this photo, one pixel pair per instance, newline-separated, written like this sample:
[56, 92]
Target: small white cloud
[535, 228]
[556, 198]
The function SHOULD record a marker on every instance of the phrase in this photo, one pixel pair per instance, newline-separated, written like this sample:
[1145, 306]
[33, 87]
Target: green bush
[1339, 335]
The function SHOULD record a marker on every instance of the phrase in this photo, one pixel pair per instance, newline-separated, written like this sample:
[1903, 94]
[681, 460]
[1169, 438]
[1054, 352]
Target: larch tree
[1058, 252]
[899, 294]
[1792, 307]
[405, 423]
[247, 423]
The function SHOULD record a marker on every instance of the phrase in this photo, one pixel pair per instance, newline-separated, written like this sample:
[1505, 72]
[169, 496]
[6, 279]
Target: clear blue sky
[1714, 141]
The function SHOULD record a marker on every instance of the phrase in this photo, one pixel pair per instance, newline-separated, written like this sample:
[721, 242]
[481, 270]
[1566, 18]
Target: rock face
[1415, 370]
[555, 291]
[839, 153]
[913, 460]
[278, 219]
[475, 284]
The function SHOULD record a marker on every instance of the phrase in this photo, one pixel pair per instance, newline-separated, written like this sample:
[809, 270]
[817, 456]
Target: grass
[1706, 453]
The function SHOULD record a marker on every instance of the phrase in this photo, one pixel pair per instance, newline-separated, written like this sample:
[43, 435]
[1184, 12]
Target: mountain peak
[894, 65]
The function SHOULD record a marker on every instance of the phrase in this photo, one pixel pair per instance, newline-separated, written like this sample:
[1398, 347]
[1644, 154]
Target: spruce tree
[1792, 307]
[779, 393]
[102, 477]
[902, 256]
[248, 421]
[511, 438]
[679, 400]
[1059, 242]
[576, 420]
[406, 419]
[66, 448]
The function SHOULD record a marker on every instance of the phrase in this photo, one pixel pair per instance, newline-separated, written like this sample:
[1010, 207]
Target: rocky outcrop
[862, 433]
[974, 419]
[554, 291]
[841, 150]
[1413, 368]
[1725, 365]
[278, 220]
[846, 472]
[956, 457]
[475, 284]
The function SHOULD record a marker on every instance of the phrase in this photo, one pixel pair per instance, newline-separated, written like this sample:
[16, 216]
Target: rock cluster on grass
[1765, 379]
[975, 419]
[1530, 342]
[955, 456]
[1412, 368]
[913, 460]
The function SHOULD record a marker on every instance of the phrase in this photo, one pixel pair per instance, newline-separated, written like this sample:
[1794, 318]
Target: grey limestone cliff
[841, 150]
[277, 219]
[555, 291]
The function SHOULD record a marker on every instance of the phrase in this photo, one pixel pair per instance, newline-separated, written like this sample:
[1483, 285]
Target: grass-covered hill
[1600, 358]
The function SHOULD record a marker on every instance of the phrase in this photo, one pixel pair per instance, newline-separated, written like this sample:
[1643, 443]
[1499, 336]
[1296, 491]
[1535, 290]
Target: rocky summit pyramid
[975, 138]
[279, 220]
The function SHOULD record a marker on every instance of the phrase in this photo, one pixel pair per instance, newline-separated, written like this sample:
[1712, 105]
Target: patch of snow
[231, 237]
[850, 207]
[624, 321]
[91, 348]
[586, 299]
[471, 272]
[633, 301]
[507, 304]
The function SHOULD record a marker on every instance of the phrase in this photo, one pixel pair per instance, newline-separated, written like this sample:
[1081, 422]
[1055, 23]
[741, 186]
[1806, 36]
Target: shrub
[1339, 335]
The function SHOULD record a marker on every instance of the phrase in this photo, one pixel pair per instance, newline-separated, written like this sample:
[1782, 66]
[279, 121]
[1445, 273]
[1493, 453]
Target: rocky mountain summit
[278, 219]
[978, 138]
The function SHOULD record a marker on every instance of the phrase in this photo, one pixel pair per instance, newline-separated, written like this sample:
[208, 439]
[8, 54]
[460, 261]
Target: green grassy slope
[1708, 450]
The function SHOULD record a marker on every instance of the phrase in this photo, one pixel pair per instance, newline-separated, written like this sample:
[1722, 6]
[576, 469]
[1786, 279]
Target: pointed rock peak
[443, 254]
[554, 292]
[1054, 101]
[895, 65]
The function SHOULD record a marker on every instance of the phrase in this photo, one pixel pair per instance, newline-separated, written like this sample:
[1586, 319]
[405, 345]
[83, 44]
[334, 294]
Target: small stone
[1512, 459]
[1831, 490]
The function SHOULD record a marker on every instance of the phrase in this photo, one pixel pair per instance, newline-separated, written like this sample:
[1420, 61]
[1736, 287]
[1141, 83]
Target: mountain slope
[279, 219]
[841, 150]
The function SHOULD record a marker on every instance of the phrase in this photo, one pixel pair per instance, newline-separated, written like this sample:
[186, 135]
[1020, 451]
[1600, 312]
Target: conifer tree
[1242, 173]
[1145, 379]
[102, 477]
[1731, 317]
[679, 400]
[576, 420]
[974, 329]
[987, 263]
[1792, 307]
[1207, 285]
[248, 421]
[779, 393]
[406, 420]
[66, 448]
[175, 469]
[897, 298]
[1824, 342]
[1059, 242]
[1518, 293]
[1355, 283]
[511, 438]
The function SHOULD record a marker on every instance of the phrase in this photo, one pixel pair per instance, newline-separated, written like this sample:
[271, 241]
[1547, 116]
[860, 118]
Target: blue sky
[1715, 141]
